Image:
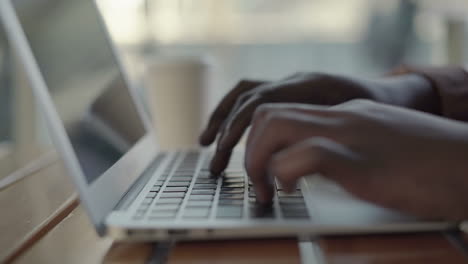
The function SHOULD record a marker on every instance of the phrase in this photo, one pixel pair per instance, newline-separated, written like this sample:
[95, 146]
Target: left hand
[398, 158]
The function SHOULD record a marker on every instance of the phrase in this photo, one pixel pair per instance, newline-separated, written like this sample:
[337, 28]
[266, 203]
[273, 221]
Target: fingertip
[207, 137]
[204, 142]
[275, 171]
[264, 191]
[219, 162]
[264, 196]
[215, 169]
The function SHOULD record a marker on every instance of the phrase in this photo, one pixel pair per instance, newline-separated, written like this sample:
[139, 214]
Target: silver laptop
[130, 189]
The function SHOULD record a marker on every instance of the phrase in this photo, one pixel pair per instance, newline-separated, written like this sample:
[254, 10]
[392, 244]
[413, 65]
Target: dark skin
[398, 158]
[393, 156]
[234, 113]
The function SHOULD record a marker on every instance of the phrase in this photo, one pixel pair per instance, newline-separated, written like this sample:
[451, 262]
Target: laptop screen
[71, 48]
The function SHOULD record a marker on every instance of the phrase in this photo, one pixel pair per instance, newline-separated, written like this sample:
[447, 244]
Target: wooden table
[55, 229]
[74, 241]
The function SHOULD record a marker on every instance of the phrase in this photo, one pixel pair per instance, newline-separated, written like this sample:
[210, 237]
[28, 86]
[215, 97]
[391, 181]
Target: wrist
[409, 90]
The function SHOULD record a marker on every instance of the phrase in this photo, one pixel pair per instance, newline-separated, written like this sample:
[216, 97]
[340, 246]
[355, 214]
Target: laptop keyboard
[187, 190]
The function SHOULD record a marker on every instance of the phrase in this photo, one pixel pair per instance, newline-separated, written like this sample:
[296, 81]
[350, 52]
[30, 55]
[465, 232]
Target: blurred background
[236, 39]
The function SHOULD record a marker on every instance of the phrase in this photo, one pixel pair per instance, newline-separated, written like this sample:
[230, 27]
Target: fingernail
[214, 169]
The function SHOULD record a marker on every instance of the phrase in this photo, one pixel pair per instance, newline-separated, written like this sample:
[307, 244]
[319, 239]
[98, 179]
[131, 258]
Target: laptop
[130, 189]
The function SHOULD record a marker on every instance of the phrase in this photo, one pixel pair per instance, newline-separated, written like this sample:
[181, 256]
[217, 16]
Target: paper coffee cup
[177, 87]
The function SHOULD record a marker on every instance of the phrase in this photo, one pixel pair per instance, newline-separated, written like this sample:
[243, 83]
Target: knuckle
[244, 82]
[360, 102]
[355, 109]
[274, 118]
[263, 111]
[316, 146]
[278, 170]
[242, 98]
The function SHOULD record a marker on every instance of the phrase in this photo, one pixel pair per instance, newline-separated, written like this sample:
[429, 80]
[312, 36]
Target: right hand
[234, 113]
[397, 158]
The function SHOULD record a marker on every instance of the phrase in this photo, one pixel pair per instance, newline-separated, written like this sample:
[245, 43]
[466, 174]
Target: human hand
[399, 158]
[234, 113]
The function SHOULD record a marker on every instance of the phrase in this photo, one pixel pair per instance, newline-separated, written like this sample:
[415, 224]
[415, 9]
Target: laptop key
[159, 183]
[201, 197]
[147, 201]
[233, 185]
[206, 175]
[180, 179]
[198, 203]
[169, 201]
[203, 191]
[185, 171]
[206, 180]
[162, 214]
[182, 175]
[297, 194]
[175, 189]
[234, 180]
[157, 211]
[229, 211]
[204, 186]
[155, 189]
[141, 211]
[231, 196]
[178, 184]
[196, 212]
[232, 190]
[160, 207]
[172, 194]
[151, 194]
[230, 202]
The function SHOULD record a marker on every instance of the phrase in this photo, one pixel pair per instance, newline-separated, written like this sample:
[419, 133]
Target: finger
[241, 119]
[223, 109]
[241, 100]
[314, 155]
[267, 109]
[277, 131]
[220, 161]
[223, 150]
